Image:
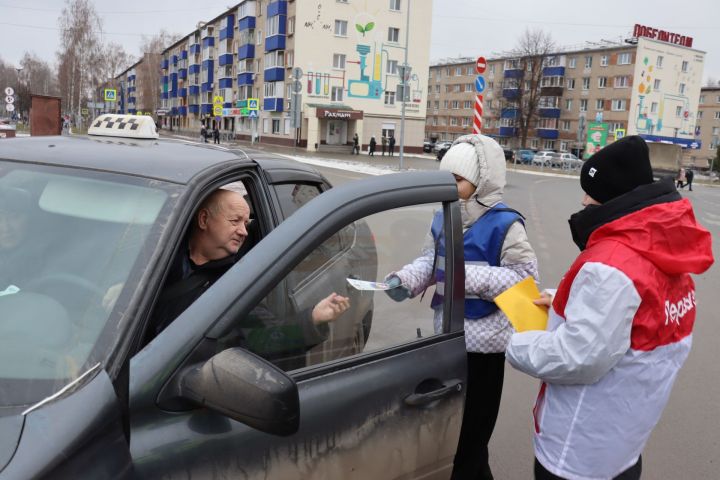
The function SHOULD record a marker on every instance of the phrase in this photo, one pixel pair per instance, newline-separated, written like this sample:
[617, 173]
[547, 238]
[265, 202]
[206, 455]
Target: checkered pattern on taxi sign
[118, 123]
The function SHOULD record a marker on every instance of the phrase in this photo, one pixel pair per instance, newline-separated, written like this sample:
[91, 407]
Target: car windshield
[69, 244]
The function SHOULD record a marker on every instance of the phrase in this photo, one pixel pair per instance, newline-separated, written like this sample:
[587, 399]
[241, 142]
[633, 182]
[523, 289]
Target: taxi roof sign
[128, 126]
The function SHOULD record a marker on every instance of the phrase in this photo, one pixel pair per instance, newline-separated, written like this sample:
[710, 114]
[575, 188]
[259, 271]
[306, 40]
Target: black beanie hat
[617, 169]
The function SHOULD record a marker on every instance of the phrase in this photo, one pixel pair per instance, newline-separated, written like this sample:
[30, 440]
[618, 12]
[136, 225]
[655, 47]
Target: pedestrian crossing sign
[110, 94]
[253, 114]
[253, 104]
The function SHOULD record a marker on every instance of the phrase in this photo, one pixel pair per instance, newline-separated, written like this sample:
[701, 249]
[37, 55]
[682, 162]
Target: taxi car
[86, 389]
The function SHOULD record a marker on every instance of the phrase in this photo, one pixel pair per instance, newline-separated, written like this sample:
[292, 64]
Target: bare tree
[522, 86]
[80, 29]
[149, 69]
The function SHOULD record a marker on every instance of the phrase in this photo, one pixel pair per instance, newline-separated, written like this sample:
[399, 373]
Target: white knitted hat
[461, 159]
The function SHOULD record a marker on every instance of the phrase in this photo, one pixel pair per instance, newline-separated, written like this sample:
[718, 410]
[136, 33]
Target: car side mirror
[246, 388]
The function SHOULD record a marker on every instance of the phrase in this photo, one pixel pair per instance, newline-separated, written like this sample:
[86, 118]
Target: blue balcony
[276, 42]
[275, 74]
[246, 51]
[206, 108]
[548, 133]
[132, 89]
[511, 93]
[513, 73]
[246, 23]
[173, 111]
[549, 112]
[194, 89]
[225, 83]
[509, 113]
[194, 109]
[183, 92]
[195, 49]
[174, 59]
[273, 104]
[173, 81]
[206, 87]
[554, 71]
[227, 105]
[507, 131]
[183, 111]
[208, 42]
[228, 27]
[194, 69]
[164, 95]
[225, 59]
[131, 99]
[131, 78]
[183, 55]
[277, 8]
[165, 64]
[245, 79]
[182, 73]
[208, 65]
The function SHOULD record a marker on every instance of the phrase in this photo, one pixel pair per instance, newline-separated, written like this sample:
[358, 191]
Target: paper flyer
[517, 304]
[365, 285]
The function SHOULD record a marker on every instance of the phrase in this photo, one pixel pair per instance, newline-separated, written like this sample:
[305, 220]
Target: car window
[69, 241]
[281, 327]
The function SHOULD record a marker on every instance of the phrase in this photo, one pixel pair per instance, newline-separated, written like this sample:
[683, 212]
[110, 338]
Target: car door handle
[448, 388]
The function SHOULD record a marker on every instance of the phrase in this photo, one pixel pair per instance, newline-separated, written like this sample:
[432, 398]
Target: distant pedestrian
[371, 149]
[384, 144]
[689, 177]
[356, 145]
[216, 135]
[680, 179]
[203, 133]
[391, 143]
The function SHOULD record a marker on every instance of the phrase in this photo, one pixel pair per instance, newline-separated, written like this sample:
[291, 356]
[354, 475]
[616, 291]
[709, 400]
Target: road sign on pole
[9, 91]
[110, 94]
[253, 104]
[480, 65]
[480, 84]
[477, 121]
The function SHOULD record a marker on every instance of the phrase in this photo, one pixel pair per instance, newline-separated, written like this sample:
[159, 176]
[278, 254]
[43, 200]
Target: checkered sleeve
[418, 275]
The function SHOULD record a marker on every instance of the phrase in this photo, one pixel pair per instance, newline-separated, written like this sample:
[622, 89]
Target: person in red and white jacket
[620, 324]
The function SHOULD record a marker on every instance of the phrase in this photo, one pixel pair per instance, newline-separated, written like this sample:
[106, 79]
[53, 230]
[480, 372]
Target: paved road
[686, 443]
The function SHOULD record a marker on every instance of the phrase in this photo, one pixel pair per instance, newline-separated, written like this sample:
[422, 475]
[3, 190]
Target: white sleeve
[594, 336]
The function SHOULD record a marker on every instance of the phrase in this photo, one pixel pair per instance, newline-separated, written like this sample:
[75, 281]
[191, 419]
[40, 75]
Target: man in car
[16, 266]
[219, 229]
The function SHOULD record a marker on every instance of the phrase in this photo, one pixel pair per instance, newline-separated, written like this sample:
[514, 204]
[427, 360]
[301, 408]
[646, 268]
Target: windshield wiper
[60, 392]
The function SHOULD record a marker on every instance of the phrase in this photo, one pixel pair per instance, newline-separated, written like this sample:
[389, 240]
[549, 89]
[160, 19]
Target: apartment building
[707, 129]
[137, 87]
[348, 52]
[647, 87]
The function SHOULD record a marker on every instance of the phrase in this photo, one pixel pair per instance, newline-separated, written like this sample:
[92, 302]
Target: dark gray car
[88, 391]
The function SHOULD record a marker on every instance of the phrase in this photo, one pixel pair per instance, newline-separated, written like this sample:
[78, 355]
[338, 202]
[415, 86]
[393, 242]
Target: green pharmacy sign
[596, 138]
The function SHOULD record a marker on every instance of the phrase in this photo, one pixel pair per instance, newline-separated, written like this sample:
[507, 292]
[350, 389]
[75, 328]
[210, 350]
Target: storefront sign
[231, 112]
[596, 138]
[662, 35]
[339, 114]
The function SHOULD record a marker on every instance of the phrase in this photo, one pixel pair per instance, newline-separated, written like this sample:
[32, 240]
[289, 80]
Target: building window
[393, 34]
[337, 94]
[654, 107]
[604, 61]
[568, 104]
[390, 98]
[583, 104]
[684, 66]
[534, 143]
[455, 104]
[445, 104]
[602, 82]
[458, 71]
[274, 89]
[699, 115]
[340, 28]
[659, 61]
[490, 85]
[717, 115]
[624, 58]
[395, 5]
[563, 146]
[391, 67]
[549, 145]
[588, 61]
[565, 125]
[615, 126]
[453, 121]
[468, 104]
[571, 83]
[682, 88]
[678, 111]
[291, 25]
[272, 25]
[339, 60]
[470, 70]
[276, 126]
[717, 99]
[622, 81]
[599, 104]
[572, 61]
[457, 88]
[701, 100]
[275, 59]
[289, 58]
[586, 83]
[619, 105]
[656, 84]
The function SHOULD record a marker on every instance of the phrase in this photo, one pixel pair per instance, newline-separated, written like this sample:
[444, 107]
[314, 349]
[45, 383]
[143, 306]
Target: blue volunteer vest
[482, 244]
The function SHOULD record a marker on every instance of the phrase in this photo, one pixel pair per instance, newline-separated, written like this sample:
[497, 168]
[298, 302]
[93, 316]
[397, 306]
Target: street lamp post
[404, 88]
[19, 90]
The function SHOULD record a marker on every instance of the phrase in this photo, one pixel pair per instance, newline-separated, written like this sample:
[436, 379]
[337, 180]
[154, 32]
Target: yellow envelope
[517, 304]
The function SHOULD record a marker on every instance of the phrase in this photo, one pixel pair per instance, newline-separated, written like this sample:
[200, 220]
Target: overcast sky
[459, 27]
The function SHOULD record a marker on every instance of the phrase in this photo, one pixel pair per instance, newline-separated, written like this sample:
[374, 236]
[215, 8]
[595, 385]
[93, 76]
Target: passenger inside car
[220, 228]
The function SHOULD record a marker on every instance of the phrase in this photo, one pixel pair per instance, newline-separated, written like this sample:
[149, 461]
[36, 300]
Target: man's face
[12, 229]
[225, 231]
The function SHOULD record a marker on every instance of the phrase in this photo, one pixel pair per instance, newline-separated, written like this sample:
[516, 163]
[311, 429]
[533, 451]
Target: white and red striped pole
[477, 121]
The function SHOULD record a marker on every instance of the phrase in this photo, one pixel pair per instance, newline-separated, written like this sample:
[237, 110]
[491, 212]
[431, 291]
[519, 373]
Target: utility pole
[405, 86]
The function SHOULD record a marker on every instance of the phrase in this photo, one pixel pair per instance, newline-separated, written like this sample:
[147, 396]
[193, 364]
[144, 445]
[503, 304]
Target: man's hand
[330, 308]
[545, 300]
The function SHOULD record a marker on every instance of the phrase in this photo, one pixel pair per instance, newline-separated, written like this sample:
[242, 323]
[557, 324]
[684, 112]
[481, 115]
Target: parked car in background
[524, 156]
[428, 146]
[509, 155]
[440, 145]
[570, 161]
[546, 158]
[442, 151]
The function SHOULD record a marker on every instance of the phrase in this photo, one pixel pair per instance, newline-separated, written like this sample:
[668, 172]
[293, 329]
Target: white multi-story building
[349, 52]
